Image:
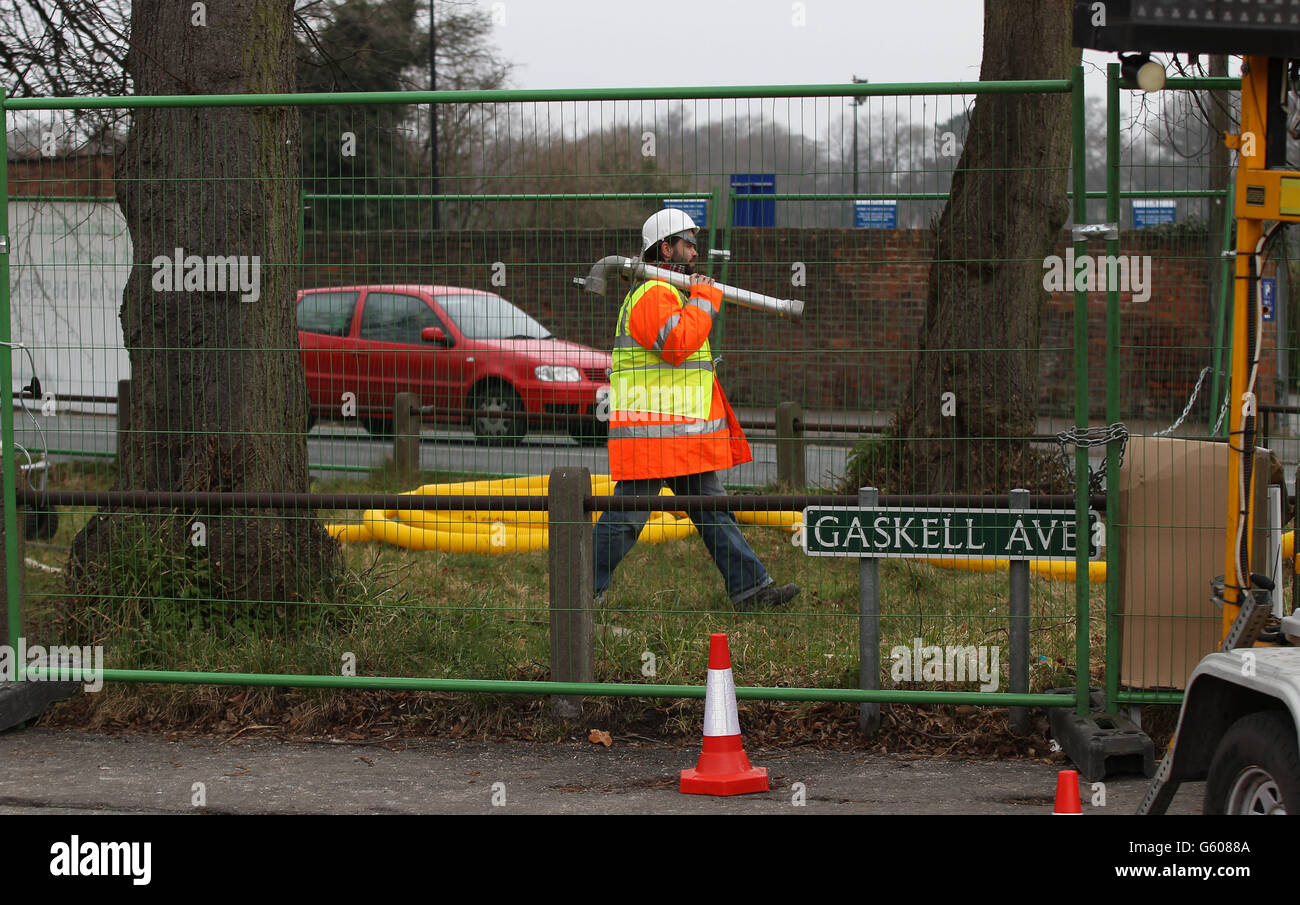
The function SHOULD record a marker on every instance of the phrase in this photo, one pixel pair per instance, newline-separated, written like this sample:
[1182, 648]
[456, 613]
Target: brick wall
[90, 176]
[865, 302]
[864, 292]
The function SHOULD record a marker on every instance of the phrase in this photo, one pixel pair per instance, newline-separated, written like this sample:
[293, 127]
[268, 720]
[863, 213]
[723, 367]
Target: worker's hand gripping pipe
[600, 281]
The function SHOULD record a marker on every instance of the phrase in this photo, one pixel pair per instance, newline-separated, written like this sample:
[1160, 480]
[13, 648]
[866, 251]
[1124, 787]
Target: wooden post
[406, 433]
[570, 560]
[789, 445]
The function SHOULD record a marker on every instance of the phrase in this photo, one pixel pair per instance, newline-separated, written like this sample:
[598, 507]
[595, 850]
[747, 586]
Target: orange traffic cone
[1067, 794]
[723, 768]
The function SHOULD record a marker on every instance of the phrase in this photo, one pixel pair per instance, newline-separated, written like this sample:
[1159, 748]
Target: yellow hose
[787, 520]
[504, 530]
[1055, 569]
[508, 530]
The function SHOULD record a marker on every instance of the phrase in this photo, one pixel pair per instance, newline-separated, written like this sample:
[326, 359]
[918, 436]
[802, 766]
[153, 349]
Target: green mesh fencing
[1167, 377]
[333, 315]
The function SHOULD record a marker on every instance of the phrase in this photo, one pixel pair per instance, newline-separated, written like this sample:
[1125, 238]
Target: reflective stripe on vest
[660, 431]
[642, 383]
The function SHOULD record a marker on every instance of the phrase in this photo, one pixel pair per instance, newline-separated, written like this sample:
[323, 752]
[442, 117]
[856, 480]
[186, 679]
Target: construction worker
[669, 420]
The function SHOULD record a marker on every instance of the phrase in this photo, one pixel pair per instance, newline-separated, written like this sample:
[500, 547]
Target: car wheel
[499, 416]
[1256, 769]
[311, 420]
[592, 432]
[381, 428]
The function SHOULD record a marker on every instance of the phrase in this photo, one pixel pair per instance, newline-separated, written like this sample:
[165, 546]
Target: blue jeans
[616, 534]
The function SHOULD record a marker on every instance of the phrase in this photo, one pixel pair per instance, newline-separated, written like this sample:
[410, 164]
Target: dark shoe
[769, 598]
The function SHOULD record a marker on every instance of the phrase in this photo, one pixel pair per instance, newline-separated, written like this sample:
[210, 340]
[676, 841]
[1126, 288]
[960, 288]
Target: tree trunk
[980, 337]
[218, 399]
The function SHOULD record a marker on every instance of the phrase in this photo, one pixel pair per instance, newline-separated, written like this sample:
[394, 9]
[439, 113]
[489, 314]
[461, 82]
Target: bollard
[123, 419]
[868, 626]
[1019, 716]
[570, 558]
[406, 433]
[790, 445]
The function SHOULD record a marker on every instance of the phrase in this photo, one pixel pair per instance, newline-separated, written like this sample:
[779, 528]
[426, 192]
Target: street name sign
[945, 533]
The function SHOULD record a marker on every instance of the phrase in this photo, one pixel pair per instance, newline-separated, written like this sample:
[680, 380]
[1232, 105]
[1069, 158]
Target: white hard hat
[662, 224]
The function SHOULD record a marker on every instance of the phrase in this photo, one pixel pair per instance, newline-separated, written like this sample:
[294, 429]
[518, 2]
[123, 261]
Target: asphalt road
[339, 448]
[53, 771]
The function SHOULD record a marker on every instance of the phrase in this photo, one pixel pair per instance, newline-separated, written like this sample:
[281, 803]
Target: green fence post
[869, 626]
[1112, 394]
[1220, 312]
[716, 339]
[726, 239]
[1079, 171]
[713, 219]
[724, 228]
[13, 601]
[1018, 633]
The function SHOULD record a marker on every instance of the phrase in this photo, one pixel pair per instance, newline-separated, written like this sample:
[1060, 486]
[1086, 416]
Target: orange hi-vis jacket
[661, 357]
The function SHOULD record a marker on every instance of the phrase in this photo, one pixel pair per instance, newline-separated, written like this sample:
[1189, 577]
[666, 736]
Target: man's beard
[682, 267]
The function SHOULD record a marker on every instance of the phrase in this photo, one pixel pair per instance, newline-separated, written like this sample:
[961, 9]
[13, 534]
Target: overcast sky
[650, 43]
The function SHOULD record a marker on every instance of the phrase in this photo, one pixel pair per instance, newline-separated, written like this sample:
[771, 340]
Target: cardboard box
[1173, 500]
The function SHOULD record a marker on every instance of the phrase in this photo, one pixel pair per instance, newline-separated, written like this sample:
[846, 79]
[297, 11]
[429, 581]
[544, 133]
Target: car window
[327, 312]
[484, 316]
[396, 318]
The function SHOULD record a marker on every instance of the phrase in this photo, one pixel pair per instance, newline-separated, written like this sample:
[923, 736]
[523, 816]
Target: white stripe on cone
[720, 716]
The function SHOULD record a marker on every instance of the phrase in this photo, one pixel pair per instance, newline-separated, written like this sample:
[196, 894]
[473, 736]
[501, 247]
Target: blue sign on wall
[695, 208]
[1268, 297]
[1153, 213]
[753, 213]
[875, 215]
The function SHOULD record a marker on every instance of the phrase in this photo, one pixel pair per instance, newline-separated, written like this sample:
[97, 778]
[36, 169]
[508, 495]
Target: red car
[468, 354]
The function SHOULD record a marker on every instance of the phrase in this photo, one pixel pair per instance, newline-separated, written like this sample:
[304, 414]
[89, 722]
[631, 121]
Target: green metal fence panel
[1165, 379]
[13, 596]
[506, 358]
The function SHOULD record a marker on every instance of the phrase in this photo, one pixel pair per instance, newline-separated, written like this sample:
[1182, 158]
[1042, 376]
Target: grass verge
[411, 613]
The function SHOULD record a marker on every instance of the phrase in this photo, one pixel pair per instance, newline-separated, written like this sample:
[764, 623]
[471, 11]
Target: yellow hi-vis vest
[643, 385]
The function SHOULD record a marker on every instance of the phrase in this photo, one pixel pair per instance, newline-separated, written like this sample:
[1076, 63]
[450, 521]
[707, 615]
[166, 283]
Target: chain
[1222, 411]
[1191, 402]
[1087, 438]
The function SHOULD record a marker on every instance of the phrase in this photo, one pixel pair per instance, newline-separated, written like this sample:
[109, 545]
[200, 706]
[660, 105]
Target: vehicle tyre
[499, 416]
[592, 432]
[1256, 769]
[311, 420]
[379, 428]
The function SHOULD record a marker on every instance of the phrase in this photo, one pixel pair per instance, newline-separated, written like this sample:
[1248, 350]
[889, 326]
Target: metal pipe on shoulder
[601, 279]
